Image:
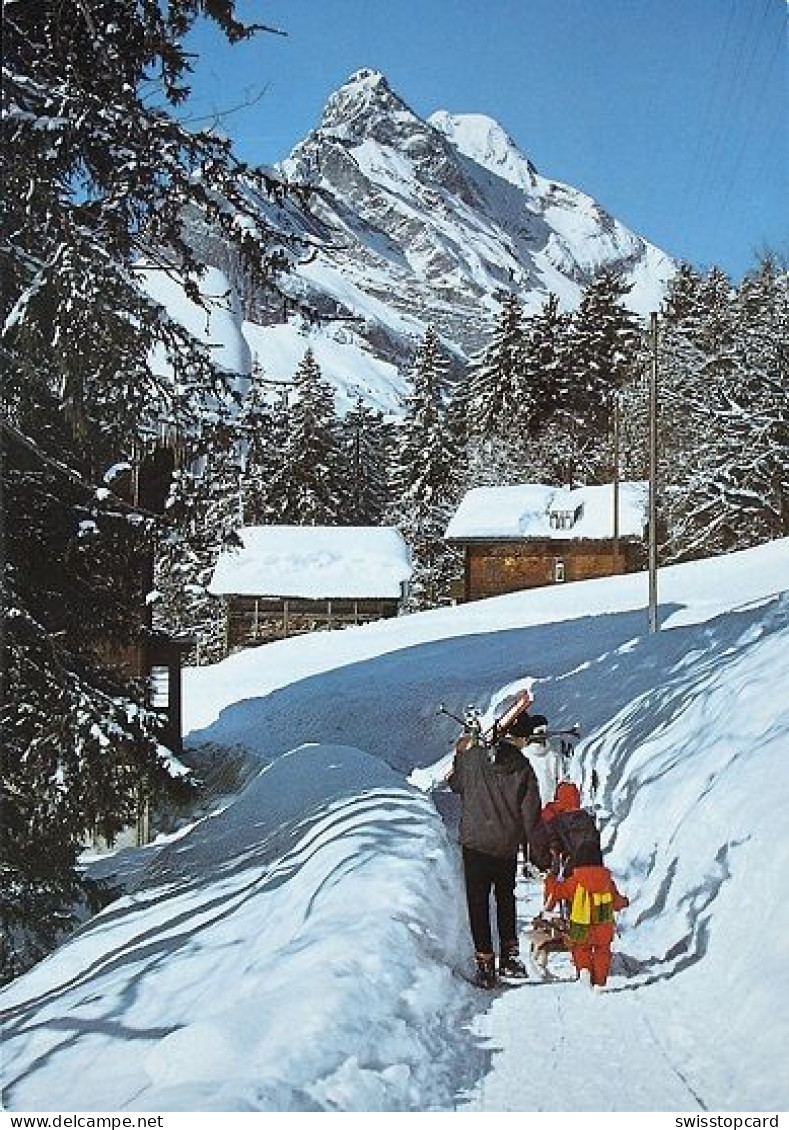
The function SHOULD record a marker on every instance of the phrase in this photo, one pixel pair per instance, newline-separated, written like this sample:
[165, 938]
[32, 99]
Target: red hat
[567, 796]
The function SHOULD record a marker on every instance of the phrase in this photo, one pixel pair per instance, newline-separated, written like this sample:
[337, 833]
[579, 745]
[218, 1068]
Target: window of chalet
[159, 682]
[558, 569]
[564, 519]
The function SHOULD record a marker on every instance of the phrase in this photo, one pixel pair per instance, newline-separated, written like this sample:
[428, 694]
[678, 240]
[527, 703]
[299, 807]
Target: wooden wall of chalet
[156, 659]
[254, 620]
[493, 568]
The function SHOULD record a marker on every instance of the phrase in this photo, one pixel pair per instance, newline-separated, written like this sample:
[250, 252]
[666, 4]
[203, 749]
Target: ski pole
[570, 732]
[443, 710]
[472, 723]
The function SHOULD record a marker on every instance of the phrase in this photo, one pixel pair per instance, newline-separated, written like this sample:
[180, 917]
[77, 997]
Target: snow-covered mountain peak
[431, 221]
[483, 140]
[366, 96]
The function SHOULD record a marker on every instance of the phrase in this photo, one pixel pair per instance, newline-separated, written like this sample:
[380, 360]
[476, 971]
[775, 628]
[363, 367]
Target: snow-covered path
[557, 1045]
[575, 1062]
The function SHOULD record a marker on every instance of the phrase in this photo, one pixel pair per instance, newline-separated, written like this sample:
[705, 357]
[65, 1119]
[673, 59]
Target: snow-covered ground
[305, 946]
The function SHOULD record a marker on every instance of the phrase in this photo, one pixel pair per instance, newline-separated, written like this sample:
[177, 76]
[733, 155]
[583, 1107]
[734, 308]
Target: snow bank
[295, 952]
[694, 774]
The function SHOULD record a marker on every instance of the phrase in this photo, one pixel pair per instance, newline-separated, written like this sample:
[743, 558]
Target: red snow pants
[595, 958]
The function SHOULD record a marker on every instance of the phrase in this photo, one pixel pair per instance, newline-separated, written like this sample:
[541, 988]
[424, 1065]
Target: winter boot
[486, 971]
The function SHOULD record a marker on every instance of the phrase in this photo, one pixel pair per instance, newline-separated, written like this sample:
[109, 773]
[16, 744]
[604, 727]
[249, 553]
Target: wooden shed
[532, 535]
[288, 580]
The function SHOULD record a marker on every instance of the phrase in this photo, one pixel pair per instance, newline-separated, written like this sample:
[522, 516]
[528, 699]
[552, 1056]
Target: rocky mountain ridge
[429, 221]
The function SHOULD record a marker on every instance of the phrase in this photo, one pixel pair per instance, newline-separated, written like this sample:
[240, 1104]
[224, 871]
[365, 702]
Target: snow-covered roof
[534, 510]
[314, 562]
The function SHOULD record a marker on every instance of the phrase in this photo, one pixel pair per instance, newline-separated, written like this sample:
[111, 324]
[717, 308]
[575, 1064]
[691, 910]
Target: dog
[547, 935]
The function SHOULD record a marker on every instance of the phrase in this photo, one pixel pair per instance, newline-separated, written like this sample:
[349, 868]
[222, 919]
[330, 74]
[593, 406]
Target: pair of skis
[472, 723]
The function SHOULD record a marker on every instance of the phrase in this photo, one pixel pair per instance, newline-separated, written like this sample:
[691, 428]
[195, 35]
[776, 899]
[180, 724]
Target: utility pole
[616, 480]
[653, 456]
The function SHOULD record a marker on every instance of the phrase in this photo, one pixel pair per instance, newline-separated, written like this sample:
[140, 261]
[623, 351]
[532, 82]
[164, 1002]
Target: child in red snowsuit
[593, 897]
[566, 799]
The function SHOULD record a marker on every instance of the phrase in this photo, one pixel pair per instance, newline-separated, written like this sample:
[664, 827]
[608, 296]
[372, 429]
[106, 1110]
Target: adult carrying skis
[500, 810]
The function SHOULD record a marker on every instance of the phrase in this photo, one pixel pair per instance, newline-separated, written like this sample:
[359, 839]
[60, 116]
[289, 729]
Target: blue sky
[674, 114]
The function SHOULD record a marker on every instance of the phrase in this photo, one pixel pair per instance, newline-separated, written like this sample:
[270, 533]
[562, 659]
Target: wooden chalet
[154, 657]
[157, 659]
[532, 535]
[288, 580]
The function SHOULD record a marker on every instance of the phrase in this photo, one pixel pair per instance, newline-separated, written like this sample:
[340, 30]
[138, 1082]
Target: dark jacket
[500, 798]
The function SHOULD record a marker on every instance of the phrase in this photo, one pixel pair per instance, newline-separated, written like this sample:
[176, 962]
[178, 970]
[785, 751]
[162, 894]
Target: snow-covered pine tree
[726, 446]
[498, 399]
[715, 330]
[491, 406]
[458, 411]
[544, 349]
[682, 359]
[263, 429]
[683, 298]
[603, 346]
[693, 368]
[366, 444]
[511, 397]
[205, 509]
[311, 482]
[79, 747]
[542, 453]
[759, 417]
[424, 475]
[484, 461]
[98, 176]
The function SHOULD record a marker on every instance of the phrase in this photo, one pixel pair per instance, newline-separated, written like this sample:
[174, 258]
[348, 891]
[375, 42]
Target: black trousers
[484, 873]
